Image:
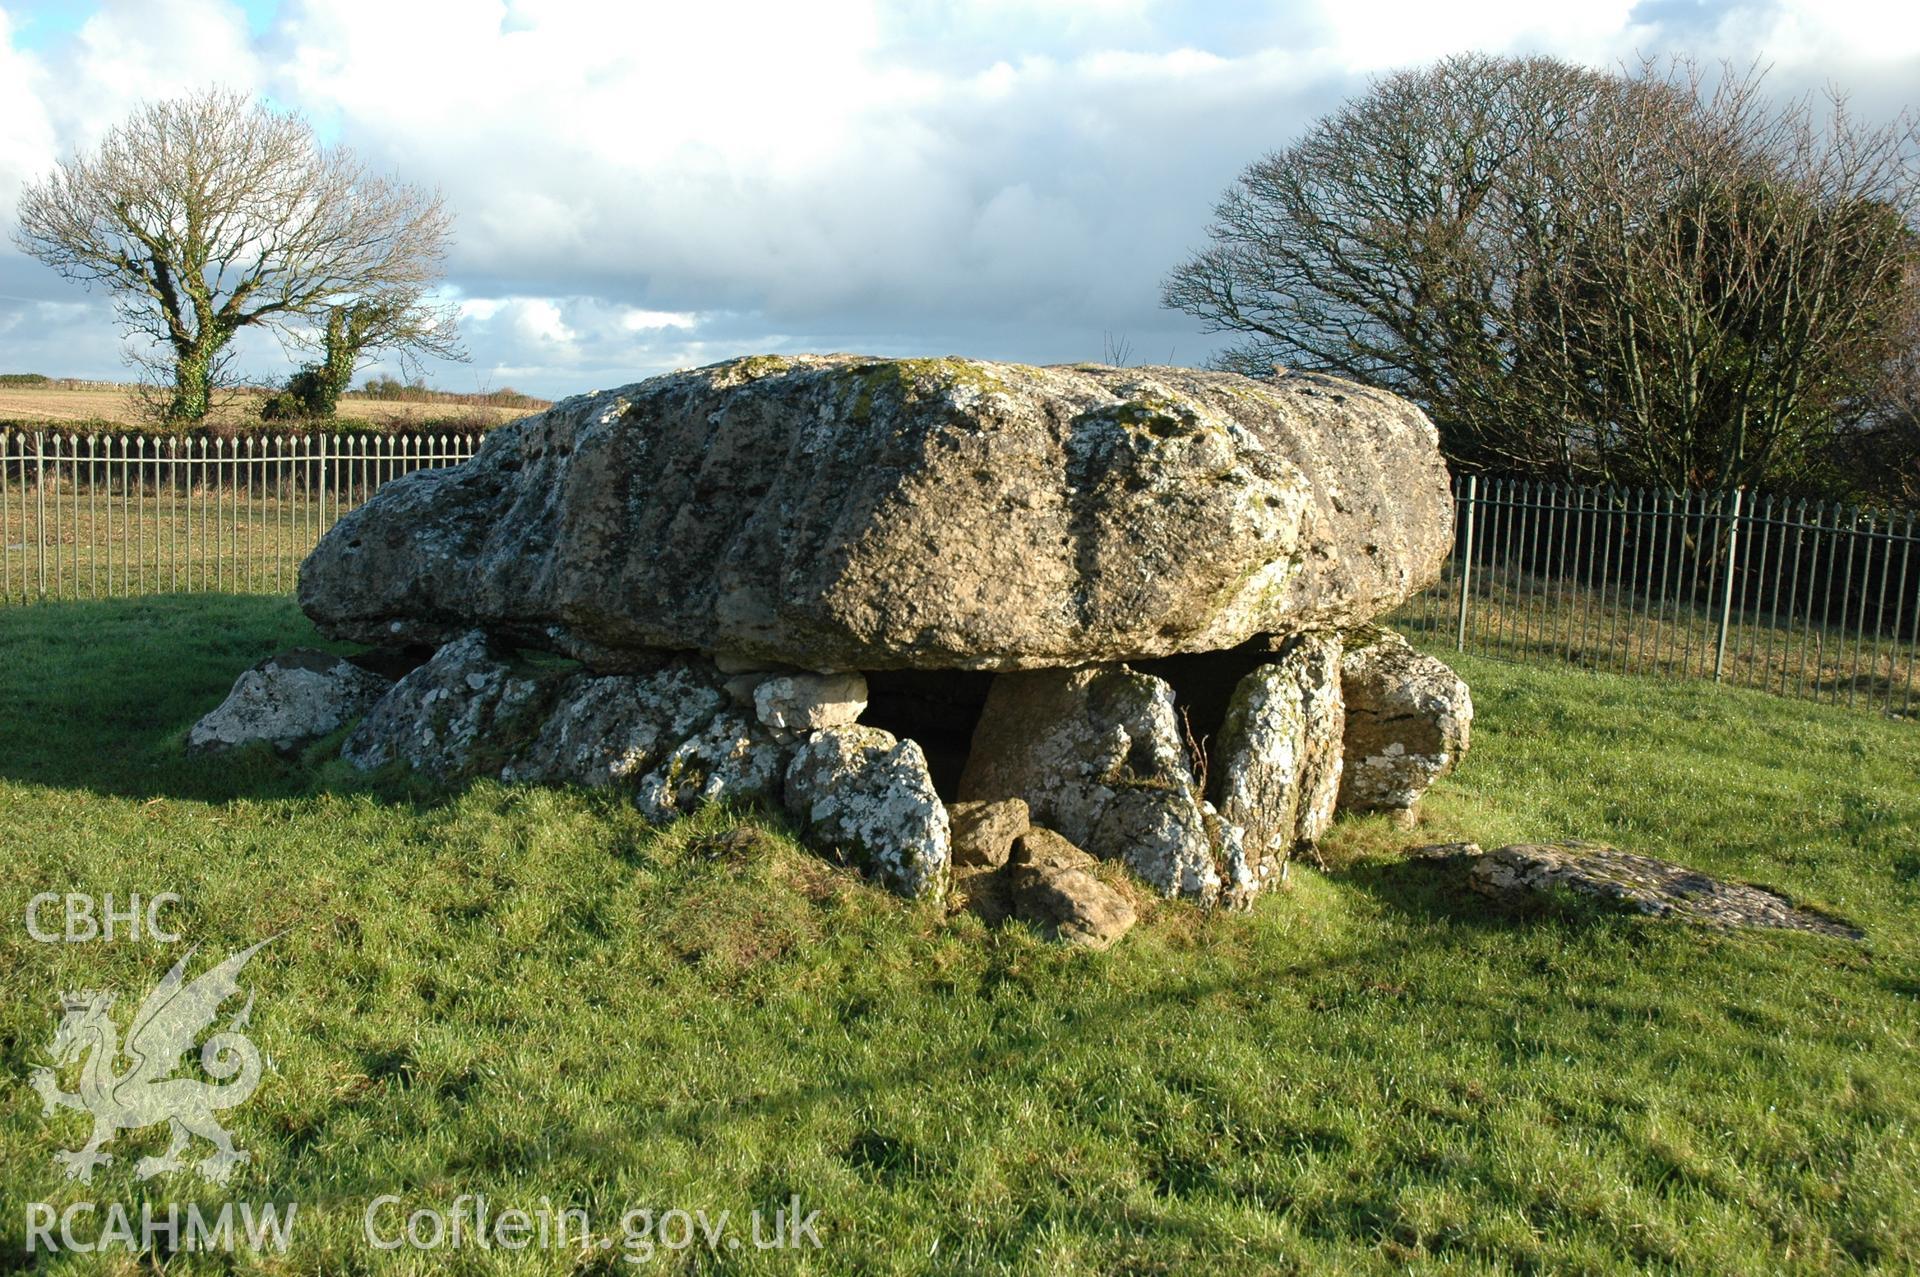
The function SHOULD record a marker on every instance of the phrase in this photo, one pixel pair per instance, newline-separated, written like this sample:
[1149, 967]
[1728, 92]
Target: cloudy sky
[644, 186]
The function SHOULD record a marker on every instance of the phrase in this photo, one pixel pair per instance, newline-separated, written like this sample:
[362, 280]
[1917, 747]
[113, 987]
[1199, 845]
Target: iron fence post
[1466, 565]
[40, 504]
[1726, 593]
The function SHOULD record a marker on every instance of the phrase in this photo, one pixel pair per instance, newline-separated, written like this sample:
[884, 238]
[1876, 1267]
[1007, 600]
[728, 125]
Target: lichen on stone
[733, 759]
[905, 382]
[1278, 758]
[1099, 755]
[868, 793]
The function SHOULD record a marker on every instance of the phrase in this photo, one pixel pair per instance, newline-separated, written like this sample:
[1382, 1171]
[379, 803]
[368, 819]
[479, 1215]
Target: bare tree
[1632, 277]
[209, 214]
[400, 322]
[1880, 456]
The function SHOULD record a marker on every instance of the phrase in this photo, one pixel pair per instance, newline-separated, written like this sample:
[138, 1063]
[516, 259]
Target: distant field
[119, 405]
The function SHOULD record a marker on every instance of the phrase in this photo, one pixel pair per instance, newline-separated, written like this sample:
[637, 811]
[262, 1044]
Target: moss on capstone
[1271, 594]
[1153, 414]
[679, 771]
[1361, 637]
[1123, 777]
[1157, 416]
[910, 381]
[1254, 391]
[736, 372]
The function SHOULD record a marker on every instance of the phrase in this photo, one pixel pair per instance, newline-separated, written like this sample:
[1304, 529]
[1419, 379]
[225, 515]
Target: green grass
[529, 994]
[96, 546]
[134, 540]
[1532, 619]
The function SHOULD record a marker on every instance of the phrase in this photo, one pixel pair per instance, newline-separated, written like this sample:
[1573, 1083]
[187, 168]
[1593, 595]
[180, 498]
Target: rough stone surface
[863, 791]
[984, 833]
[455, 714]
[741, 687]
[809, 702]
[1099, 755]
[1277, 760]
[1408, 720]
[732, 759]
[611, 730]
[841, 513]
[1448, 852]
[1640, 884]
[1054, 888]
[288, 700]
[1045, 849]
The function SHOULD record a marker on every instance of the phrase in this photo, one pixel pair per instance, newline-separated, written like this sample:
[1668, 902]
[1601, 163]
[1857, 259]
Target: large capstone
[839, 513]
[1100, 756]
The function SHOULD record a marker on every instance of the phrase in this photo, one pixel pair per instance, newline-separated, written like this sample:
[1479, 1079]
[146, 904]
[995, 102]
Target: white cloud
[642, 186]
[26, 134]
[638, 321]
[537, 320]
[482, 309]
[134, 50]
[1377, 35]
[1795, 33]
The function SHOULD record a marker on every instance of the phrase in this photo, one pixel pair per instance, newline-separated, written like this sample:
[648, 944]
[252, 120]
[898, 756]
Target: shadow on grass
[98, 695]
[1435, 891]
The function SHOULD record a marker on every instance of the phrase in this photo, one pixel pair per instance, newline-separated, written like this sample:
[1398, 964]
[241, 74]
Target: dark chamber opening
[941, 708]
[937, 708]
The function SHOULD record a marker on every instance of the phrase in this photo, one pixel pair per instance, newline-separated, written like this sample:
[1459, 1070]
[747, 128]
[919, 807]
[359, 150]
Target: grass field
[529, 994]
[22, 404]
[100, 545]
[1533, 619]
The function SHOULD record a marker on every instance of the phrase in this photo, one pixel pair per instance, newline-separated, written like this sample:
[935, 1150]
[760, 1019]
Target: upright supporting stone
[454, 715]
[1099, 755]
[614, 729]
[1277, 761]
[288, 700]
[863, 791]
[1408, 722]
[733, 759]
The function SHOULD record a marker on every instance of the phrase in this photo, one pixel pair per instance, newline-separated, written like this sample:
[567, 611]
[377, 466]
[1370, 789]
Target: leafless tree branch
[209, 213]
[1633, 277]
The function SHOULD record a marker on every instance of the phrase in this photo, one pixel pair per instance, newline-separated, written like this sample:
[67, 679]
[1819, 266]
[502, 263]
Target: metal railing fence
[100, 516]
[1802, 598]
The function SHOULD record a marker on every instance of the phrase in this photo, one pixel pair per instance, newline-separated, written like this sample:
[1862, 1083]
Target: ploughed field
[27, 407]
[528, 994]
